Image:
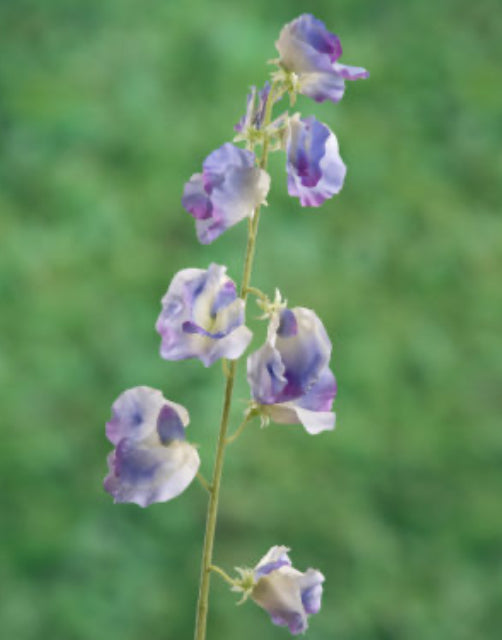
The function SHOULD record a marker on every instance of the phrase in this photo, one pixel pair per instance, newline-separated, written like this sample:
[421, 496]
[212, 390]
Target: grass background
[106, 108]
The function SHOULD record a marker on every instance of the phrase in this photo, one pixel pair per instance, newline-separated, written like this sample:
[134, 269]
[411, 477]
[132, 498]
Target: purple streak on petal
[169, 425]
[225, 296]
[348, 72]
[321, 86]
[259, 116]
[321, 395]
[305, 156]
[195, 198]
[133, 414]
[265, 373]
[227, 155]
[314, 32]
[293, 620]
[271, 566]
[247, 117]
[303, 355]
[192, 327]
[311, 590]
[288, 326]
[311, 599]
[315, 169]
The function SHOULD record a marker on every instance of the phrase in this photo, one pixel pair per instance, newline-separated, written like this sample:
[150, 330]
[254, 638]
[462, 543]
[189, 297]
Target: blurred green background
[106, 109]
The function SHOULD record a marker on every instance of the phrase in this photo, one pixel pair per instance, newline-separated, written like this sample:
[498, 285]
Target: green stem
[223, 574]
[212, 509]
[240, 428]
[203, 482]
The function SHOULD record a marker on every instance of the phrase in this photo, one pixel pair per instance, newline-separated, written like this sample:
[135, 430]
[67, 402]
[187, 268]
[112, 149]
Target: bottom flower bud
[288, 595]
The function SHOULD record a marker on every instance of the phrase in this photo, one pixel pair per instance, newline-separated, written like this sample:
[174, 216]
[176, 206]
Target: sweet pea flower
[315, 169]
[289, 375]
[311, 52]
[287, 594]
[151, 462]
[228, 190]
[202, 317]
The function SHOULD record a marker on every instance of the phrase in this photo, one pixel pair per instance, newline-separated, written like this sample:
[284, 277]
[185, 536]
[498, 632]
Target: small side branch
[256, 292]
[241, 427]
[204, 483]
[222, 574]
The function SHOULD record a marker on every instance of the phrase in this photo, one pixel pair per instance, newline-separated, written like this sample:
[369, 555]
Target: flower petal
[348, 72]
[275, 558]
[315, 169]
[144, 474]
[304, 355]
[265, 373]
[195, 199]
[311, 590]
[134, 414]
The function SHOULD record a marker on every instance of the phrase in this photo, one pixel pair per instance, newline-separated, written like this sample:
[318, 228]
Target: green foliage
[106, 109]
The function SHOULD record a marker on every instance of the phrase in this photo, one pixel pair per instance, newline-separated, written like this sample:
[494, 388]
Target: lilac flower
[310, 51]
[315, 169]
[255, 114]
[290, 377]
[287, 594]
[151, 462]
[202, 317]
[228, 190]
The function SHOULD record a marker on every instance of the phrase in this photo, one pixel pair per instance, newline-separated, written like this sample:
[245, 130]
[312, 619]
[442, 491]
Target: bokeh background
[106, 108]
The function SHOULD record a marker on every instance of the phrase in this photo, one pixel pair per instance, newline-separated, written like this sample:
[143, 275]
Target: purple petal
[316, 171]
[314, 32]
[195, 199]
[228, 155]
[348, 72]
[134, 414]
[246, 119]
[311, 590]
[321, 395]
[233, 199]
[288, 326]
[275, 558]
[224, 297]
[265, 373]
[305, 45]
[146, 474]
[322, 85]
[169, 425]
[303, 355]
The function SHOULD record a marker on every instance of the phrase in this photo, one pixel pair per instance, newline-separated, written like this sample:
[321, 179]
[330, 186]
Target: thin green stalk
[240, 428]
[212, 509]
[223, 574]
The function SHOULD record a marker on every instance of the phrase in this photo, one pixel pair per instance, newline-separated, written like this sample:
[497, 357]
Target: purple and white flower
[310, 51]
[151, 462]
[289, 375]
[202, 317]
[228, 190]
[287, 594]
[315, 169]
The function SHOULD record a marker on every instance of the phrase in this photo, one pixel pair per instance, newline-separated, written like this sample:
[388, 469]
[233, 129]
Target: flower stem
[203, 482]
[240, 428]
[212, 509]
[223, 574]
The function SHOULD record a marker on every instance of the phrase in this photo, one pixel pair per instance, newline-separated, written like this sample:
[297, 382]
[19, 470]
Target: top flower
[310, 51]
[228, 190]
